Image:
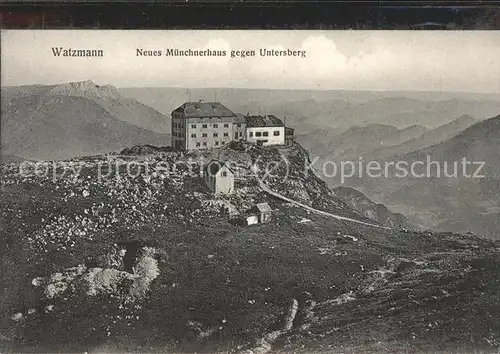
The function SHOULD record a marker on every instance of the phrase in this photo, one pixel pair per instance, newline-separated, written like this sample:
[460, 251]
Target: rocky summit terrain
[375, 211]
[132, 252]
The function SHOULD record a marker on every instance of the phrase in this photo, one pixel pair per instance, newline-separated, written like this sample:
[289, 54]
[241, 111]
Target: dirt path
[264, 345]
[266, 189]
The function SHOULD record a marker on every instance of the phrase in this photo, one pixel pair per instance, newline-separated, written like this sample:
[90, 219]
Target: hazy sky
[367, 60]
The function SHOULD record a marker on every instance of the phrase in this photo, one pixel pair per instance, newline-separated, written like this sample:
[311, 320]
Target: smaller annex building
[259, 214]
[218, 177]
[265, 130]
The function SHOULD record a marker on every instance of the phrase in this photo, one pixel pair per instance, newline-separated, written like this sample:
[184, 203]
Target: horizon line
[267, 89]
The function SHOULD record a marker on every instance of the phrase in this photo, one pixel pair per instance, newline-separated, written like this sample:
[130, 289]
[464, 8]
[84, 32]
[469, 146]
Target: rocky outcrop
[378, 212]
[101, 281]
[87, 89]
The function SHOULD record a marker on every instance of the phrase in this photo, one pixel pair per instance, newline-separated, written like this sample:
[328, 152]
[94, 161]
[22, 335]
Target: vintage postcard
[250, 191]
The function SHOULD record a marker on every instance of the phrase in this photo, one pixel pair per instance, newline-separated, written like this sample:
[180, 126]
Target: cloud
[216, 44]
[322, 61]
[324, 56]
[409, 60]
[324, 64]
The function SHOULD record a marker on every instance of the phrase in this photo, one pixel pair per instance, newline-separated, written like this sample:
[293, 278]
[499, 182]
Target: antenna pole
[284, 108]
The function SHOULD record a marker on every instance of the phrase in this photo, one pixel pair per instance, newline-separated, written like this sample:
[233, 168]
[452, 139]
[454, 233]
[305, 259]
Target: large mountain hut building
[207, 125]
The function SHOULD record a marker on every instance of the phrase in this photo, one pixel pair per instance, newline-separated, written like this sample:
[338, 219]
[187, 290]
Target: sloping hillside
[465, 199]
[480, 142]
[378, 212]
[102, 260]
[56, 122]
[358, 141]
[107, 96]
[58, 127]
[426, 139]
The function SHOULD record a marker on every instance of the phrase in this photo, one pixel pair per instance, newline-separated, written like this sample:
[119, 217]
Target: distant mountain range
[82, 118]
[73, 119]
[336, 110]
[378, 142]
[462, 202]
[426, 139]
[358, 140]
[11, 159]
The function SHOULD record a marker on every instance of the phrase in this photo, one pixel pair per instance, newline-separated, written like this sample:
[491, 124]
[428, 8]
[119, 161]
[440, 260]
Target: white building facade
[265, 130]
[205, 125]
[208, 125]
[218, 177]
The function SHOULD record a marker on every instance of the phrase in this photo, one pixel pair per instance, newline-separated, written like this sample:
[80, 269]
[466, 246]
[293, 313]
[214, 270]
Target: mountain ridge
[80, 118]
[426, 139]
[466, 199]
[87, 89]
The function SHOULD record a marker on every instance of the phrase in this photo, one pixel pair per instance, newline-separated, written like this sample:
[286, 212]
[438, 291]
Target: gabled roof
[263, 207]
[214, 166]
[204, 109]
[264, 121]
[240, 118]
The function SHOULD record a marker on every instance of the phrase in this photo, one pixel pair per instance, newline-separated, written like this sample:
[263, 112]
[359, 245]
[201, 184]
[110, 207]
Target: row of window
[216, 135]
[275, 133]
[236, 134]
[217, 143]
[204, 135]
[215, 125]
